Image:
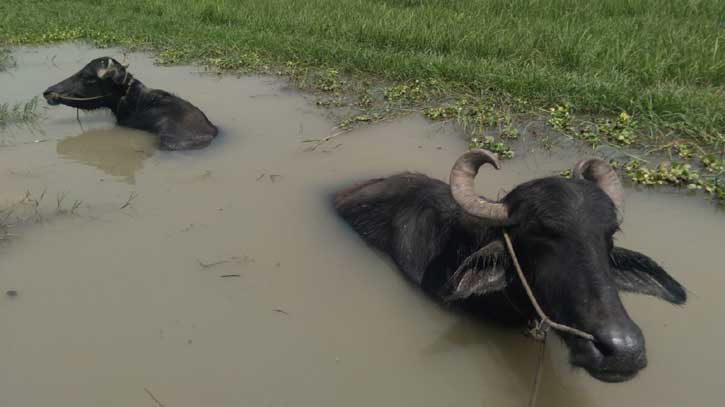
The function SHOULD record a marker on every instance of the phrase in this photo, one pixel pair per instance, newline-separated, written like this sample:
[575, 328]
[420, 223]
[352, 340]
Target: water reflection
[116, 151]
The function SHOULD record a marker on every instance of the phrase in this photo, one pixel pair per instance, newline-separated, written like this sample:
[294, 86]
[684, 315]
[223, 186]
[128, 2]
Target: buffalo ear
[481, 273]
[634, 272]
[114, 71]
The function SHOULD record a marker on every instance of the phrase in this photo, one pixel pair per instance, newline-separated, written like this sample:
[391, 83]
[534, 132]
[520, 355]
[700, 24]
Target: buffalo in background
[105, 83]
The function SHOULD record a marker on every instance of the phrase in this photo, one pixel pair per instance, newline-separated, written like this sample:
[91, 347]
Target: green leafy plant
[684, 150]
[328, 80]
[489, 143]
[560, 117]
[712, 163]
[412, 92]
[621, 131]
[714, 188]
[676, 174]
[589, 136]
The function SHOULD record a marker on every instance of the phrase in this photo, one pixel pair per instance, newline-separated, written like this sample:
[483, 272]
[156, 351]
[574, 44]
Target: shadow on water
[117, 151]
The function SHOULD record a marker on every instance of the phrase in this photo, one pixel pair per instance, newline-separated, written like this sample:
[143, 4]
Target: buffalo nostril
[51, 97]
[627, 343]
[607, 346]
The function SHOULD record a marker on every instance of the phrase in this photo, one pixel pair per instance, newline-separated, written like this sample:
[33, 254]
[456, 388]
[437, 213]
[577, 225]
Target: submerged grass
[20, 113]
[6, 60]
[30, 208]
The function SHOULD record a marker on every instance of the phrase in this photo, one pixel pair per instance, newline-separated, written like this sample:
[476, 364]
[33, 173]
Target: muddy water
[228, 281]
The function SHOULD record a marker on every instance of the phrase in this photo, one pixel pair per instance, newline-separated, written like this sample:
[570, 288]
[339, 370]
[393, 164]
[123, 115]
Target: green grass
[661, 61]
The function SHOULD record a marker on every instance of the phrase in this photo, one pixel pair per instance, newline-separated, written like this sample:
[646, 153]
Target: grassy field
[661, 62]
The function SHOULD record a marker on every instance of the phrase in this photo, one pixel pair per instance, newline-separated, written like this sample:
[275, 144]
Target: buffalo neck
[133, 92]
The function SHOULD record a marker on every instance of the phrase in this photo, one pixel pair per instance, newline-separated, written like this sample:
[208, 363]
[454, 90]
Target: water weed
[621, 131]
[676, 174]
[490, 143]
[20, 113]
[407, 93]
[712, 164]
[560, 117]
[6, 59]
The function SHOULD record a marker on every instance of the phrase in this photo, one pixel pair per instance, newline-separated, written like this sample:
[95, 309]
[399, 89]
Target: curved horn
[598, 171]
[462, 175]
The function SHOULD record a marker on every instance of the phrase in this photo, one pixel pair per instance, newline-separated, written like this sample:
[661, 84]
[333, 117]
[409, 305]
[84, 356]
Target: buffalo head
[101, 83]
[563, 234]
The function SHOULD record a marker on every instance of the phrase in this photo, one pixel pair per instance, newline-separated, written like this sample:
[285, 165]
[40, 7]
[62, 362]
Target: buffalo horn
[462, 175]
[600, 172]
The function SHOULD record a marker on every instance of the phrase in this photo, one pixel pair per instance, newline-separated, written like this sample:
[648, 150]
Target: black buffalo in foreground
[448, 240]
[104, 82]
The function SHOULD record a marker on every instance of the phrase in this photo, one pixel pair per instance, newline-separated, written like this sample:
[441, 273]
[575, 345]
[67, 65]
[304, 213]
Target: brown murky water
[114, 301]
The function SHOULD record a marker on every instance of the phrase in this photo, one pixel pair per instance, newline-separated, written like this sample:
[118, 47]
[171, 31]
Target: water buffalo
[448, 240]
[104, 82]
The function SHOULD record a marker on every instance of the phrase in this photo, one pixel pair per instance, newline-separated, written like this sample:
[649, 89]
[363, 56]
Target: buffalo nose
[51, 96]
[625, 342]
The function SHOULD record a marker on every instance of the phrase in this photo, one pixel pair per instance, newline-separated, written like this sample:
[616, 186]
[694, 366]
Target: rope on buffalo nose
[82, 99]
[539, 329]
[74, 99]
[545, 321]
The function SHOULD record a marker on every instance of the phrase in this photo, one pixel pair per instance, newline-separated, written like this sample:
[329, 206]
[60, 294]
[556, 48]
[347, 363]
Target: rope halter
[540, 327]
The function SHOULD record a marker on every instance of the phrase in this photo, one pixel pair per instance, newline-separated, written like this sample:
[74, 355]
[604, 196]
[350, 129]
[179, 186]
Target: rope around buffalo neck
[544, 321]
[78, 116]
[541, 328]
